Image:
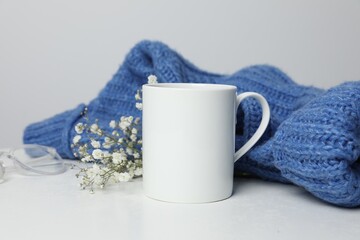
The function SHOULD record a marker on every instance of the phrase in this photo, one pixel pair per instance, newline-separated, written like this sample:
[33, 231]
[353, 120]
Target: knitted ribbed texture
[53, 131]
[318, 147]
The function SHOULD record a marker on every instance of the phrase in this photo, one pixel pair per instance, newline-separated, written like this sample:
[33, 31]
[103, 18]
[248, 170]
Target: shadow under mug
[189, 140]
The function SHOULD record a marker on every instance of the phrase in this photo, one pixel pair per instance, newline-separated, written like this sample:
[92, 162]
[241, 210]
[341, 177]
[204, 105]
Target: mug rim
[191, 86]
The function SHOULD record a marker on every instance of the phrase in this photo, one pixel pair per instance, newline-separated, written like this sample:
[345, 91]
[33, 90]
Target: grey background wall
[56, 54]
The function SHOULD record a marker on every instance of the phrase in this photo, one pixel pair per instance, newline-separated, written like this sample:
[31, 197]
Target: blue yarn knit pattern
[318, 147]
[117, 99]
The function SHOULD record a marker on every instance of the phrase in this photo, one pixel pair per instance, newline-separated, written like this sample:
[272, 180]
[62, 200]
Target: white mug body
[188, 141]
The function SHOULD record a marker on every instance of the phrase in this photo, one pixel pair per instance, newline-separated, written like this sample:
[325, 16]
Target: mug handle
[263, 124]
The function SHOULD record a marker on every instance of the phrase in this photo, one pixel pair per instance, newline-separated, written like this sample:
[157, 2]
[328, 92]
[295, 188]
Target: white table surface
[53, 207]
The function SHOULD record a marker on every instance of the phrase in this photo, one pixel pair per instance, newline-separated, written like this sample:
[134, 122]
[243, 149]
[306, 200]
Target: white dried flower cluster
[115, 157]
[113, 154]
[152, 79]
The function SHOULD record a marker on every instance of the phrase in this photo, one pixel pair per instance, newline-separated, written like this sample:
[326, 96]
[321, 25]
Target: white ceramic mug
[189, 140]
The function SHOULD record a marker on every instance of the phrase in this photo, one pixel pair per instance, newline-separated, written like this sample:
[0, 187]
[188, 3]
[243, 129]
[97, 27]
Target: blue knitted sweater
[268, 159]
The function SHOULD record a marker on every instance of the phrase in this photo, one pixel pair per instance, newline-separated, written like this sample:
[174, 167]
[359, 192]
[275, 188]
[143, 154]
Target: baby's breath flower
[82, 150]
[136, 155]
[112, 124]
[116, 157]
[94, 128]
[97, 154]
[95, 144]
[117, 154]
[138, 172]
[76, 139]
[152, 79]
[131, 172]
[139, 106]
[137, 95]
[131, 144]
[107, 145]
[129, 151]
[124, 124]
[133, 137]
[134, 131]
[124, 157]
[130, 166]
[79, 128]
[124, 177]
